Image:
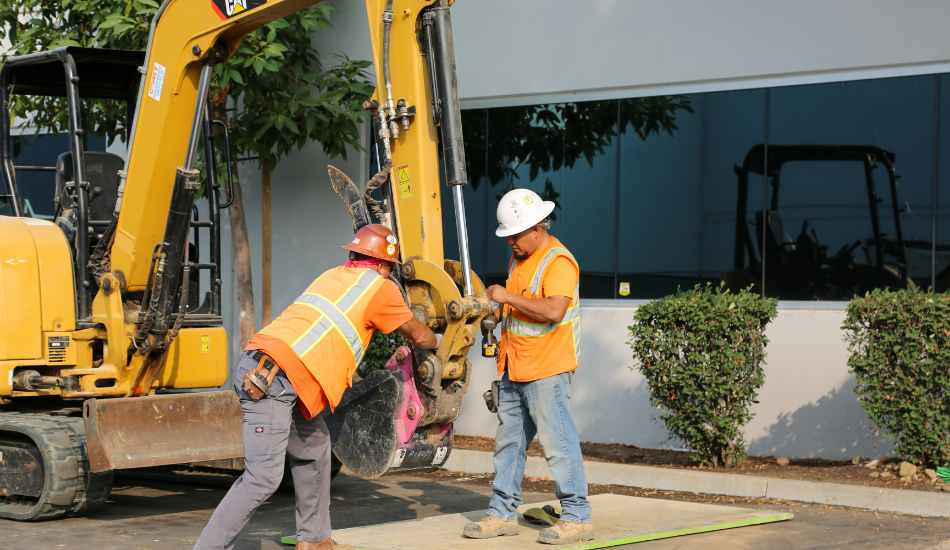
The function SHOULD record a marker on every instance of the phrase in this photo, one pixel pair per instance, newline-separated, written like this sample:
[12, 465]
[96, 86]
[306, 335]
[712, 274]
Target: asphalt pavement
[169, 513]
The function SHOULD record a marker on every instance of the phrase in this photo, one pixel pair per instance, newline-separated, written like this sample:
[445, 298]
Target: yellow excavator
[102, 310]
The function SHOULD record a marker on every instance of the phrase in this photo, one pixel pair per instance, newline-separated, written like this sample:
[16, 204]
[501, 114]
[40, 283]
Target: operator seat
[778, 243]
[102, 173]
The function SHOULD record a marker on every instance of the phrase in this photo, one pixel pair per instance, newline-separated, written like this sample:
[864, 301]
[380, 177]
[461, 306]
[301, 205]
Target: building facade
[660, 212]
[645, 116]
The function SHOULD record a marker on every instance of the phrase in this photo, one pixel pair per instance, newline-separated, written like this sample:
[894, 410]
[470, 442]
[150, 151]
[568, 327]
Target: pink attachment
[404, 423]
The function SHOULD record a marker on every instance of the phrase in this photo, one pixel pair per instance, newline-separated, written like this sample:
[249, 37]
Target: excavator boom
[416, 100]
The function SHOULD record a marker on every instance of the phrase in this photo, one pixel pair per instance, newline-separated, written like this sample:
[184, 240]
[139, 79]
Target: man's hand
[499, 294]
[550, 309]
[418, 334]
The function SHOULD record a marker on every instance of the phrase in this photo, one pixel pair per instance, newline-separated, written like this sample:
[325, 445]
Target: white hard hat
[521, 209]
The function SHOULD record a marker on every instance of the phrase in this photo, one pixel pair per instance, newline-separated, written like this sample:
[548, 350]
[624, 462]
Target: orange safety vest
[324, 327]
[533, 350]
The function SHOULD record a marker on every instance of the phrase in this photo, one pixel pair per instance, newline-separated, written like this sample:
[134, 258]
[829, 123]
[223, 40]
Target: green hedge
[900, 357]
[379, 351]
[702, 352]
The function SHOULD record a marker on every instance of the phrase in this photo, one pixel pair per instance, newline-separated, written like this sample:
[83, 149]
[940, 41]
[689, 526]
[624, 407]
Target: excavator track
[44, 471]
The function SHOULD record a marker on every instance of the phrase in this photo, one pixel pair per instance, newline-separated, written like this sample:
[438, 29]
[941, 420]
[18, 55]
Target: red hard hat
[376, 241]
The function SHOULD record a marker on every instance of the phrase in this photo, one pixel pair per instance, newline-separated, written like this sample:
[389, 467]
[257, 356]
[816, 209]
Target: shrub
[379, 350]
[900, 357]
[702, 352]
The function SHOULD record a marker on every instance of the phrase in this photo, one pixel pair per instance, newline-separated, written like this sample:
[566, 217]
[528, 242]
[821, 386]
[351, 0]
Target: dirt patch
[809, 469]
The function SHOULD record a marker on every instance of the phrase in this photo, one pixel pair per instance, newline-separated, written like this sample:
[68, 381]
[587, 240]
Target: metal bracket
[191, 179]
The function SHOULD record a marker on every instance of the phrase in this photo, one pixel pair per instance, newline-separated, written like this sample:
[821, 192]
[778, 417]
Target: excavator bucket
[375, 428]
[162, 429]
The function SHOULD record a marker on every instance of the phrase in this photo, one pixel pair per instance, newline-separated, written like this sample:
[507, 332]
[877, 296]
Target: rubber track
[69, 488]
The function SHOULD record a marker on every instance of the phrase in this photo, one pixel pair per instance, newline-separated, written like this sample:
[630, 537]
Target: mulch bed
[807, 469]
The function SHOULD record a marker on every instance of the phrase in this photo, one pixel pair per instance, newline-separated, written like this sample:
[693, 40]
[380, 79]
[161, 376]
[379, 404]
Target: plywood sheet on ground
[617, 519]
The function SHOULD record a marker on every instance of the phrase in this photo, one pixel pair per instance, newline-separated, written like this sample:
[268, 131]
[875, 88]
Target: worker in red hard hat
[307, 357]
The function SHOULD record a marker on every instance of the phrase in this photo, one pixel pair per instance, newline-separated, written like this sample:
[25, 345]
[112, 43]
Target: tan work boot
[328, 544]
[490, 526]
[566, 532]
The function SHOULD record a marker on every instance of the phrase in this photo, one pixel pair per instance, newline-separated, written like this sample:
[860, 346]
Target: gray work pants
[273, 427]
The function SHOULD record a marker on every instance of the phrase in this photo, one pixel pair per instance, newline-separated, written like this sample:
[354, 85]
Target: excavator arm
[415, 103]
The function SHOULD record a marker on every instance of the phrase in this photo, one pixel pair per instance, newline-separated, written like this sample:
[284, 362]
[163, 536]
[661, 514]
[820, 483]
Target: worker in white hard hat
[538, 354]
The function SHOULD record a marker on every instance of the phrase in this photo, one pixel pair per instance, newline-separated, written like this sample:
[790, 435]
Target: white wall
[563, 50]
[807, 407]
[525, 52]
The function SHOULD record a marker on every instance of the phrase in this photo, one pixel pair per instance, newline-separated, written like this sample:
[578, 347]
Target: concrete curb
[601, 473]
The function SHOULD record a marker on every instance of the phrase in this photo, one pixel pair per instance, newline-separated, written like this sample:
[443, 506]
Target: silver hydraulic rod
[203, 85]
[466, 258]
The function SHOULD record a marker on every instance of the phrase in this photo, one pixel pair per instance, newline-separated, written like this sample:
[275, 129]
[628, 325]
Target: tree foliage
[548, 137]
[380, 349]
[286, 99]
[900, 357]
[702, 352]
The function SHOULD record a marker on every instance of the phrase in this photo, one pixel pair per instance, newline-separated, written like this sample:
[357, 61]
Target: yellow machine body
[108, 362]
[38, 324]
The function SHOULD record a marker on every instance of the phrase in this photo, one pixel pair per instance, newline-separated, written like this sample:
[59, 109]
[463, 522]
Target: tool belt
[257, 382]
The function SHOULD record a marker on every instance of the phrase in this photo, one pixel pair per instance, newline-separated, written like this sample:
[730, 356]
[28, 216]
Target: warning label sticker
[205, 343]
[624, 289]
[405, 184]
[155, 84]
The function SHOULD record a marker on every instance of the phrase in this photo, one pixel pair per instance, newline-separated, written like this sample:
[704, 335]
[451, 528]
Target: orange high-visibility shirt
[531, 349]
[320, 339]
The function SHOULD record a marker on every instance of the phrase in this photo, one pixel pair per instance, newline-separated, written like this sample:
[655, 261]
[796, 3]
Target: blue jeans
[542, 408]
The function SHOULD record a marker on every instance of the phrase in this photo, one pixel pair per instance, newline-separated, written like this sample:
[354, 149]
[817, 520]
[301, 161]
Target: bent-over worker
[317, 344]
[538, 354]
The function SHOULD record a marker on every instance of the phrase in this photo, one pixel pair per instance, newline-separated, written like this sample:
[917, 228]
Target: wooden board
[617, 519]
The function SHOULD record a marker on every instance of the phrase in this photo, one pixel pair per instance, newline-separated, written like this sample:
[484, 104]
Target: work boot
[328, 544]
[566, 532]
[490, 526]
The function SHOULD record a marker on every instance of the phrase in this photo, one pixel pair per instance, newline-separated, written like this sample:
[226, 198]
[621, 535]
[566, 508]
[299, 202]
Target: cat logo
[229, 8]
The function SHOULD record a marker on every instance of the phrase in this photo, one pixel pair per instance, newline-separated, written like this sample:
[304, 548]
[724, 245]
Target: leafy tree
[273, 92]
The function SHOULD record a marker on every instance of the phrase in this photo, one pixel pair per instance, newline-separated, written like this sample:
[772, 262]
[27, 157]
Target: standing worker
[538, 354]
[308, 356]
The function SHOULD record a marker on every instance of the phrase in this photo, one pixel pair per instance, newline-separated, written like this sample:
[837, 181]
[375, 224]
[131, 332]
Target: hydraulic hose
[387, 27]
[389, 109]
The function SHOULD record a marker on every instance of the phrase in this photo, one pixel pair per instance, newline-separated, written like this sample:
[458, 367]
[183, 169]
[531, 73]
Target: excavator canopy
[103, 74]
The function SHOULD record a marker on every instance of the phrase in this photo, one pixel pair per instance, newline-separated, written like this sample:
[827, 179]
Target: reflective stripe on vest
[528, 329]
[334, 316]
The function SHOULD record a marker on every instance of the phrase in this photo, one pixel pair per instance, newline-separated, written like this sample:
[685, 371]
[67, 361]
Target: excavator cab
[55, 324]
[799, 268]
[86, 213]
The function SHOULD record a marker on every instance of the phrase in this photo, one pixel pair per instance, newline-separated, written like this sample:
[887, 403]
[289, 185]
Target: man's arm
[418, 334]
[550, 309]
